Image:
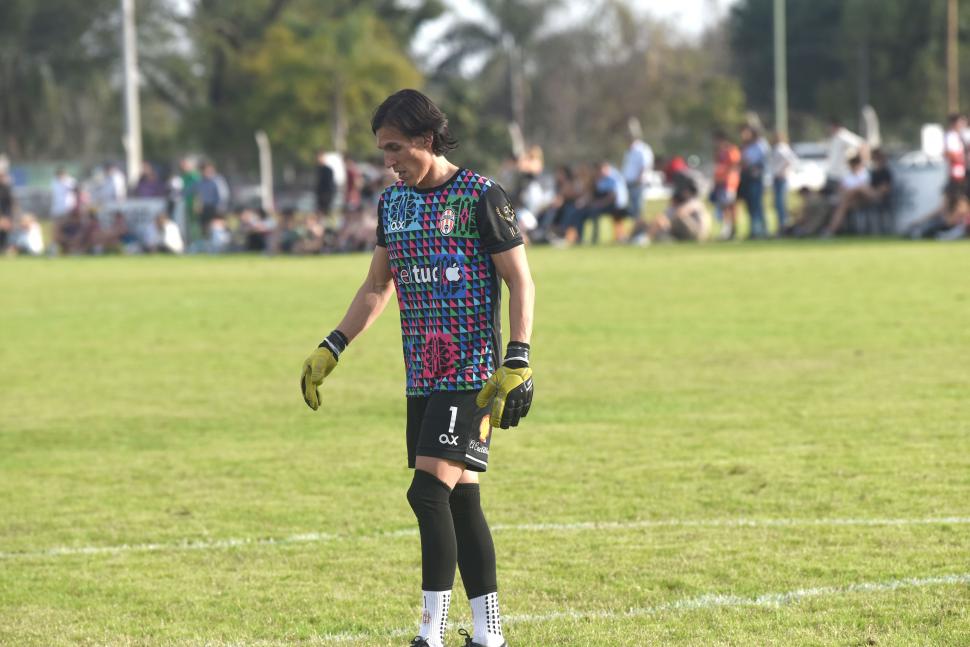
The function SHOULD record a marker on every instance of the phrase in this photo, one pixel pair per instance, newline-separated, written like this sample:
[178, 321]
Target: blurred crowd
[647, 199]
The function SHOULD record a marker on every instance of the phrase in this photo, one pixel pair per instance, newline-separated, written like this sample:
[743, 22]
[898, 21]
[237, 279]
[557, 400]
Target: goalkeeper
[446, 236]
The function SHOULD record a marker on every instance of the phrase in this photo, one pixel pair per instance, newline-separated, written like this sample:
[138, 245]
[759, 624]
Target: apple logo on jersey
[446, 223]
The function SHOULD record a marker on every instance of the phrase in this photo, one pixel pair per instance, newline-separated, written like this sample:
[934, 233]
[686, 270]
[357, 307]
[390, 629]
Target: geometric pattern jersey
[439, 242]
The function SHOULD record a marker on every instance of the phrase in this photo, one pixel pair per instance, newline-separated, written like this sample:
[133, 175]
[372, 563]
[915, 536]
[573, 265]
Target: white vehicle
[809, 171]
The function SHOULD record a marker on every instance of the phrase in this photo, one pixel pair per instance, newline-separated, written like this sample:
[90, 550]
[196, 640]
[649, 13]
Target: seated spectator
[163, 236]
[312, 235]
[813, 216]
[554, 217]
[118, 237]
[610, 197]
[359, 231]
[948, 221]
[27, 237]
[256, 229]
[219, 240]
[75, 233]
[288, 234]
[860, 190]
[685, 219]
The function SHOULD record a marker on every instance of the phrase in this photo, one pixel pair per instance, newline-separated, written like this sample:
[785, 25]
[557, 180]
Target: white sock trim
[487, 621]
[434, 616]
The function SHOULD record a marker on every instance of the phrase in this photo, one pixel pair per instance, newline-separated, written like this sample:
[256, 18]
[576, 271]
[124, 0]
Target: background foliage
[310, 72]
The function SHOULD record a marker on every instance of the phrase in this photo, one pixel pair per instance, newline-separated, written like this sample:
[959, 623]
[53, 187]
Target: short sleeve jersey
[439, 243]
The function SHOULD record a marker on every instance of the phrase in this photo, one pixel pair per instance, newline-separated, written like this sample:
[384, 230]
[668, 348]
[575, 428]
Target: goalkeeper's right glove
[319, 365]
[509, 389]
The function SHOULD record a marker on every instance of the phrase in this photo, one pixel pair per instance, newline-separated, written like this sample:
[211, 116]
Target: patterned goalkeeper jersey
[439, 243]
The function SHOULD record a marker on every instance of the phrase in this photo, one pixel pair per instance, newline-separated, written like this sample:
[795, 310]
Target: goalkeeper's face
[410, 157]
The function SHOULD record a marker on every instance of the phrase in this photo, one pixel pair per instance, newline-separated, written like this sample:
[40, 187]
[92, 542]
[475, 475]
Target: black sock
[429, 499]
[476, 552]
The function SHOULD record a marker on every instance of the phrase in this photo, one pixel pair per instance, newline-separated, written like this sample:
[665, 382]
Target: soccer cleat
[469, 643]
[418, 641]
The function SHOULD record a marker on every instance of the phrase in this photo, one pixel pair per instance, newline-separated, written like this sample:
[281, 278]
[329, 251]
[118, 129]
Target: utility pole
[781, 70]
[952, 62]
[132, 137]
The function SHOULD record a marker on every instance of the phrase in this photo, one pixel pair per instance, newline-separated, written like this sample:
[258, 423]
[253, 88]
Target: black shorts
[448, 424]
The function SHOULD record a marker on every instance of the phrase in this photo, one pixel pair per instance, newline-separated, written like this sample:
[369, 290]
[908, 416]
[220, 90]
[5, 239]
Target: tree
[507, 39]
[315, 84]
[54, 59]
[845, 53]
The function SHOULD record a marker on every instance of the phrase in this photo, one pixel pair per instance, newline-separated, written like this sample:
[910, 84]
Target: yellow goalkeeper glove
[319, 365]
[509, 389]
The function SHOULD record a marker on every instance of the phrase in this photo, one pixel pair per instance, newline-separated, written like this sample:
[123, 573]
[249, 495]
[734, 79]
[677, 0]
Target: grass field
[756, 444]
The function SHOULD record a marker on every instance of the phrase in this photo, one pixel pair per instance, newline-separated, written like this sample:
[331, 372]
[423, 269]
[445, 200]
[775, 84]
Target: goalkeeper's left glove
[509, 388]
[319, 365]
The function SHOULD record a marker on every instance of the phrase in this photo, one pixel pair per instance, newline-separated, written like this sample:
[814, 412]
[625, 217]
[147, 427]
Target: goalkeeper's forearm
[522, 294]
[367, 305]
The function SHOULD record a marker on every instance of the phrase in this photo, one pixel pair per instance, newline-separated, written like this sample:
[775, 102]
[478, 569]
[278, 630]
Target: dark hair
[953, 118]
[415, 114]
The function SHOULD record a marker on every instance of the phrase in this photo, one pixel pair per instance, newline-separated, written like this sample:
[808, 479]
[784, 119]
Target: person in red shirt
[727, 177]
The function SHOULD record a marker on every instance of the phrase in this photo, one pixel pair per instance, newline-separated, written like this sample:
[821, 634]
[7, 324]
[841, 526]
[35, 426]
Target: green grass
[156, 401]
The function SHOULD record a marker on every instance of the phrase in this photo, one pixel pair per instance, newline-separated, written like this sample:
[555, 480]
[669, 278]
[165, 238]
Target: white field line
[318, 537]
[709, 601]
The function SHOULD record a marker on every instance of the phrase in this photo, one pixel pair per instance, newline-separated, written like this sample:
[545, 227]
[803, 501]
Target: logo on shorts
[446, 223]
[485, 428]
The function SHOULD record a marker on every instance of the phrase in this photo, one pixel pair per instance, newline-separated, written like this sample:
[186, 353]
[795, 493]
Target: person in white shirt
[780, 162]
[843, 146]
[163, 235]
[27, 237]
[955, 148]
[115, 187]
[637, 163]
[63, 194]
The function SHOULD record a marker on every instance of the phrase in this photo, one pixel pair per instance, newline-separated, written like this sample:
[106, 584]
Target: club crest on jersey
[446, 223]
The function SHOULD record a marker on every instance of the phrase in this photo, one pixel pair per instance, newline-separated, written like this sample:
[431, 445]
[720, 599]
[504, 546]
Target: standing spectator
[7, 205]
[637, 164]
[752, 186]
[189, 177]
[727, 177]
[353, 184]
[63, 193]
[843, 146]
[780, 162]
[955, 148]
[113, 187]
[149, 185]
[7, 202]
[213, 195]
[326, 184]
